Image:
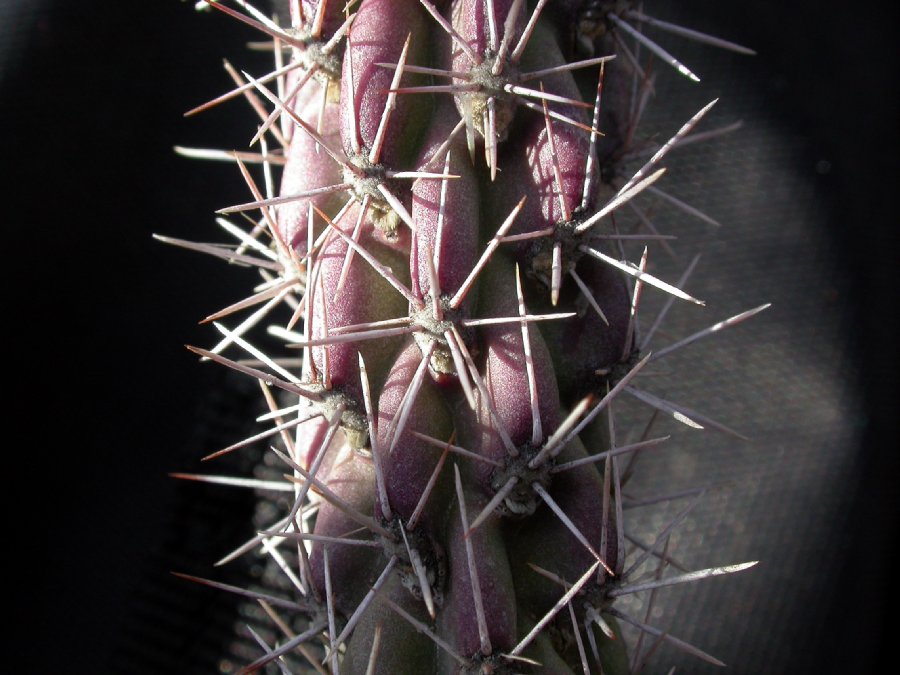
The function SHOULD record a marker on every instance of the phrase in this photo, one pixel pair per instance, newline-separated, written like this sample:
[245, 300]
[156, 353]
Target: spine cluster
[450, 261]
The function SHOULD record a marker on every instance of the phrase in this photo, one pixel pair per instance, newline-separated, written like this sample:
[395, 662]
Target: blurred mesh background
[92, 97]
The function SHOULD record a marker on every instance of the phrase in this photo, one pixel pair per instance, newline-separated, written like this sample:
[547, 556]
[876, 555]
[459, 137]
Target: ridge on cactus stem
[445, 434]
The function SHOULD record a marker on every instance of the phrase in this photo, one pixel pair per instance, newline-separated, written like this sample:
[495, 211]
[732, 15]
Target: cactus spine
[444, 248]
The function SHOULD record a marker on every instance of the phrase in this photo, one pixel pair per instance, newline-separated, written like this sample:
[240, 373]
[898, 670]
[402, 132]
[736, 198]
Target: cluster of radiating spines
[405, 363]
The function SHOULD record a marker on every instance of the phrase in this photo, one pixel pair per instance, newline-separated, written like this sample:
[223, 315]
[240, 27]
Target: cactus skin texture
[443, 248]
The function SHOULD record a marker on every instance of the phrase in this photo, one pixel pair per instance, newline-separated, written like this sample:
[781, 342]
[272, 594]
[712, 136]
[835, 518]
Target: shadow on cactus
[462, 333]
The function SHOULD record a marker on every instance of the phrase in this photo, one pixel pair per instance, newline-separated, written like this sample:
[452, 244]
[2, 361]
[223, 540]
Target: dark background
[105, 400]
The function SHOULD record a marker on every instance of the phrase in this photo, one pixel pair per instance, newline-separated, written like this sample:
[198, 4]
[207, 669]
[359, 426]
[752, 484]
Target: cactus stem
[423, 70]
[348, 256]
[420, 572]
[537, 432]
[331, 497]
[375, 151]
[425, 630]
[329, 605]
[376, 649]
[382, 270]
[457, 38]
[398, 424]
[582, 655]
[483, 635]
[321, 451]
[495, 501]
[527, 32]
[380, 484]
[586, 292]
[653, 47]
[363, 605]
[457, 350]
[429, 488]
[492, 245]
[458, 450]
[548, 617]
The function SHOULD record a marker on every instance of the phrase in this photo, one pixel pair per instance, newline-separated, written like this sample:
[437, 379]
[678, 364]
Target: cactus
[450, 248]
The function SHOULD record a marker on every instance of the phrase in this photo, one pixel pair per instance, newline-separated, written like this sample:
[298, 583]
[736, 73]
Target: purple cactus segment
[480, 612]
[351, 478]
[385, 642]
[309, 168]
[539, 540]
[589, 351]
[319, 18]
[507, 364]
[484, 33]
[446, 212]
[482, 25]
[410, 403]
[379, 35]
[346, 291]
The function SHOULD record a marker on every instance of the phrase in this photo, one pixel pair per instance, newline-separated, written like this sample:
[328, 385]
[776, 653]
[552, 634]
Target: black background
[102, 396]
